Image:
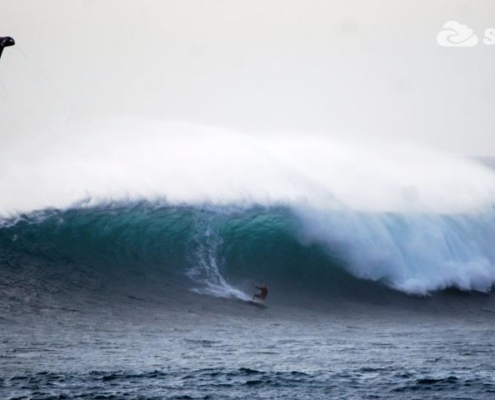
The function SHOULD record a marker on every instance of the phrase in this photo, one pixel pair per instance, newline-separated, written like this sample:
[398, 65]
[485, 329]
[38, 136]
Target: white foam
[414, 253]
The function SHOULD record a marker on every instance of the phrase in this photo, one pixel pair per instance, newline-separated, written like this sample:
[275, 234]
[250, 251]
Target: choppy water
[221, 349]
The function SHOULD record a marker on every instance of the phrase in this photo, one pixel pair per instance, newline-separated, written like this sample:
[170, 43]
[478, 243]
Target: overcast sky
[351, 68]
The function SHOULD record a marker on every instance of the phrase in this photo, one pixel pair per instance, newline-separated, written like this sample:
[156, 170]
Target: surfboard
[256, 303]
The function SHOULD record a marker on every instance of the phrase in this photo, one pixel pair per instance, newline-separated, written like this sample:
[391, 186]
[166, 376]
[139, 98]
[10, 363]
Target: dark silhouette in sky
[5, 41]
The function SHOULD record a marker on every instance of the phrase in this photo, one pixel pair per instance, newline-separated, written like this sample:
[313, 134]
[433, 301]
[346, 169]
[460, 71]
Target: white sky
[351, 68]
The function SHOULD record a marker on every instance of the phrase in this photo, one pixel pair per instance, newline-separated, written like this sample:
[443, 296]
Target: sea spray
[192, 164]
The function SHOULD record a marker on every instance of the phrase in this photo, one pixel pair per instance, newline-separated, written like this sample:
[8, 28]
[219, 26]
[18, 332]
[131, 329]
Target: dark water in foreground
[226, 349]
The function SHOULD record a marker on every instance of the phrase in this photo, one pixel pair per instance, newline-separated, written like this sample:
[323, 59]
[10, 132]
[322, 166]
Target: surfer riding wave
[261, 296]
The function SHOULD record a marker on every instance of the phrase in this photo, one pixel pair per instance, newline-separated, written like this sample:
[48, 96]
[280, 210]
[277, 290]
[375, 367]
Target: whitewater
[129, 249]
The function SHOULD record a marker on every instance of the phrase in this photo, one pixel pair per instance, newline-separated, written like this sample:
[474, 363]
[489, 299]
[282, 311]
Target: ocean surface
[147, 296]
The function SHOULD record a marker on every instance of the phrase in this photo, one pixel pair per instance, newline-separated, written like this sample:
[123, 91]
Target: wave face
[221, 250]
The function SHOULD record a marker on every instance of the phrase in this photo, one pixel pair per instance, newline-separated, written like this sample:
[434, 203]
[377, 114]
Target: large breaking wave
[215, 211]
[220, 250]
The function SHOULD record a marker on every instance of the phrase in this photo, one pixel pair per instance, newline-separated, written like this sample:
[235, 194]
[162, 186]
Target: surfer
[5, 42]
[262, 294]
